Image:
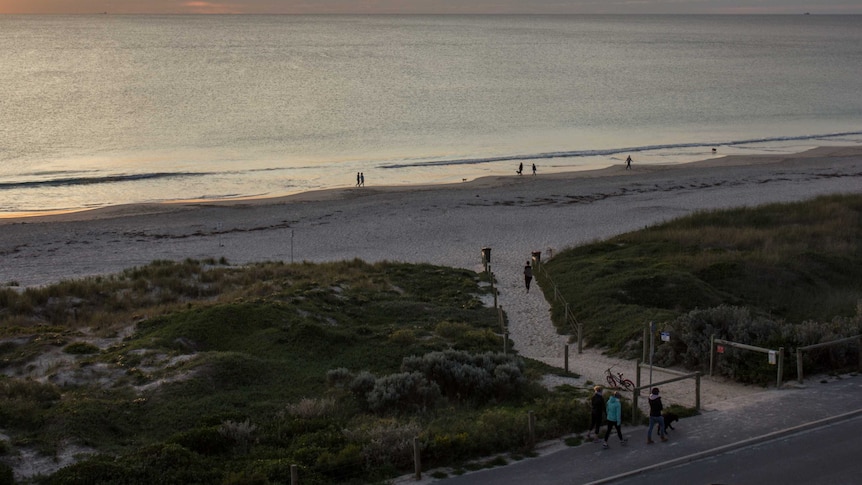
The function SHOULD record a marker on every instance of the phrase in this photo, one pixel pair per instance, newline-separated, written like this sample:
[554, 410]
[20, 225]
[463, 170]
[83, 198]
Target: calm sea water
[107, 110]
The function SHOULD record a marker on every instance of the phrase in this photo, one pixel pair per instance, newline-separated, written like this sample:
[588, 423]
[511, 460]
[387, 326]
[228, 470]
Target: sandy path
[445, 225]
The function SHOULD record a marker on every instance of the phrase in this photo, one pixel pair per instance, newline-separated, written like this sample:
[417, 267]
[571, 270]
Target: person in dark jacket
[528, 276]
[655, 407]
[597, 409]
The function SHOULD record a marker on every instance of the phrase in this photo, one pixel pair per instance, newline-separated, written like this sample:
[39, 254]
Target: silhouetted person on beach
[520, 168]
[629, 162]
[358, 179]
[534, 169]
[528, 275]
[362, 179]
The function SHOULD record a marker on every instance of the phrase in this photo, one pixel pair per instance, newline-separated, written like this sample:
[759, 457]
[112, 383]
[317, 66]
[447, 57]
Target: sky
[431, 6]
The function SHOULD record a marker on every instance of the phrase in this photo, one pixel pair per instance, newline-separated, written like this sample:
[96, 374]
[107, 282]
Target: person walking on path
[655, 408]
[597, 409]
[614, 419]
[629, 162]
[528, 276]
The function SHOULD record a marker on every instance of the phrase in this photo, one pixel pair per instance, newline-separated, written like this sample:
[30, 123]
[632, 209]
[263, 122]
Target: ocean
[104, 110]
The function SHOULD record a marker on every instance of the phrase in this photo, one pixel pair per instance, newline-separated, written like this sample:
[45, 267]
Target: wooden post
[697, 393]
[638, 376]
[566, 358]
[417, 459]
[859, 344]
[566, 317]
[799, 365]
[505, 343]
[644, 352]
[294, 475]
[711, 352]
[580, 338]
[780, 365]
[493, 286]
[531, 428]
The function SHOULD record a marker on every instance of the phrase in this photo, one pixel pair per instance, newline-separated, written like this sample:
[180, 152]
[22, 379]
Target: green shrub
[735, 324]
[7, 477]
[385, 442]
[407, 391]
[81, 348]
[241, 434]
[23, 403]
[169, 464]
[474, 378]
[341, 464]
[205, 441]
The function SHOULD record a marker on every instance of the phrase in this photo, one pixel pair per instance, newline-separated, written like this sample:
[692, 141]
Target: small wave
[105, 179]
[609, 151]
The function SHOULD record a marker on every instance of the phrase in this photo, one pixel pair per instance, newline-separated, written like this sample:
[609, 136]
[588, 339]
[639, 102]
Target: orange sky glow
[427, 6]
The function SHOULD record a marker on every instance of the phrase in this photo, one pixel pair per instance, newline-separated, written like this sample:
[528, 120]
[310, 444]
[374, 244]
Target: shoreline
[342, 193]
[438, 224]
[441, 224]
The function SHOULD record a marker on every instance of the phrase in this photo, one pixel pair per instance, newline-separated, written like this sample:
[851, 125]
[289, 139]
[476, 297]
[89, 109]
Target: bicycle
[618, 381]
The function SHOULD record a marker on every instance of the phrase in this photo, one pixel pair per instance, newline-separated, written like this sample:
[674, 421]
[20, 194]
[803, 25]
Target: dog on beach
[669, 418]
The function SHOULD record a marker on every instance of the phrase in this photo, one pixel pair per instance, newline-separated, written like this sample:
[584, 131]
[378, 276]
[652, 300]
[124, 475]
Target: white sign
[772, 360]
[665, 336]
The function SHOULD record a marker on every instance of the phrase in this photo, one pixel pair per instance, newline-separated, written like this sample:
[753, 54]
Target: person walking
[655, 408]
[614, 419]
[520, 168]
[528, 275]
[534, 169]
[357, 179]
[629, 162]
[362, 179]
[597, 409]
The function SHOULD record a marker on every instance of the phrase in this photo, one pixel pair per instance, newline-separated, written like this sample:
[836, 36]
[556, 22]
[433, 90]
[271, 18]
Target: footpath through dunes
[535, 337]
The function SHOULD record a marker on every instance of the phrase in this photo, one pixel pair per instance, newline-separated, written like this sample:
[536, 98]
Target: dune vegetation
[201, 372]
[780, 275]
[205, 372]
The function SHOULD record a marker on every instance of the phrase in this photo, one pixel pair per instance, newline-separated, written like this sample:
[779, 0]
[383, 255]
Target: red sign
[720, 349]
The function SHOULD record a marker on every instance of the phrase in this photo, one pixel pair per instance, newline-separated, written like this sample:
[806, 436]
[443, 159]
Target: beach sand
[445, 225]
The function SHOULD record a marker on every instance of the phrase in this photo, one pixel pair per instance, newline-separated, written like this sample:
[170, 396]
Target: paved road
[825, 455]
[731, 425]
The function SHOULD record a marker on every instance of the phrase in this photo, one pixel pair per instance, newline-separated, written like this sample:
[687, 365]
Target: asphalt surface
[822, 455]
[727, 426]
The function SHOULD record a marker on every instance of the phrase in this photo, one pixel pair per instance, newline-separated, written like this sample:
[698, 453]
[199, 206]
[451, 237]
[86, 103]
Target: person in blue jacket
[614, 419]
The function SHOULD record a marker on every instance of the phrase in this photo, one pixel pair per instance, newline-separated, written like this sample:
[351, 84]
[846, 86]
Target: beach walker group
[610, 414]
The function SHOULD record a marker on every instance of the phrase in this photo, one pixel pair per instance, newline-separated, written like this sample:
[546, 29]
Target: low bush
[7, 476]
[81, 348]
[404, 392]
[473, 378]
[692, 346]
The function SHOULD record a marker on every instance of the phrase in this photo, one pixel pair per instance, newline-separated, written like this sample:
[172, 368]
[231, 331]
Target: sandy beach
[446, 225]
